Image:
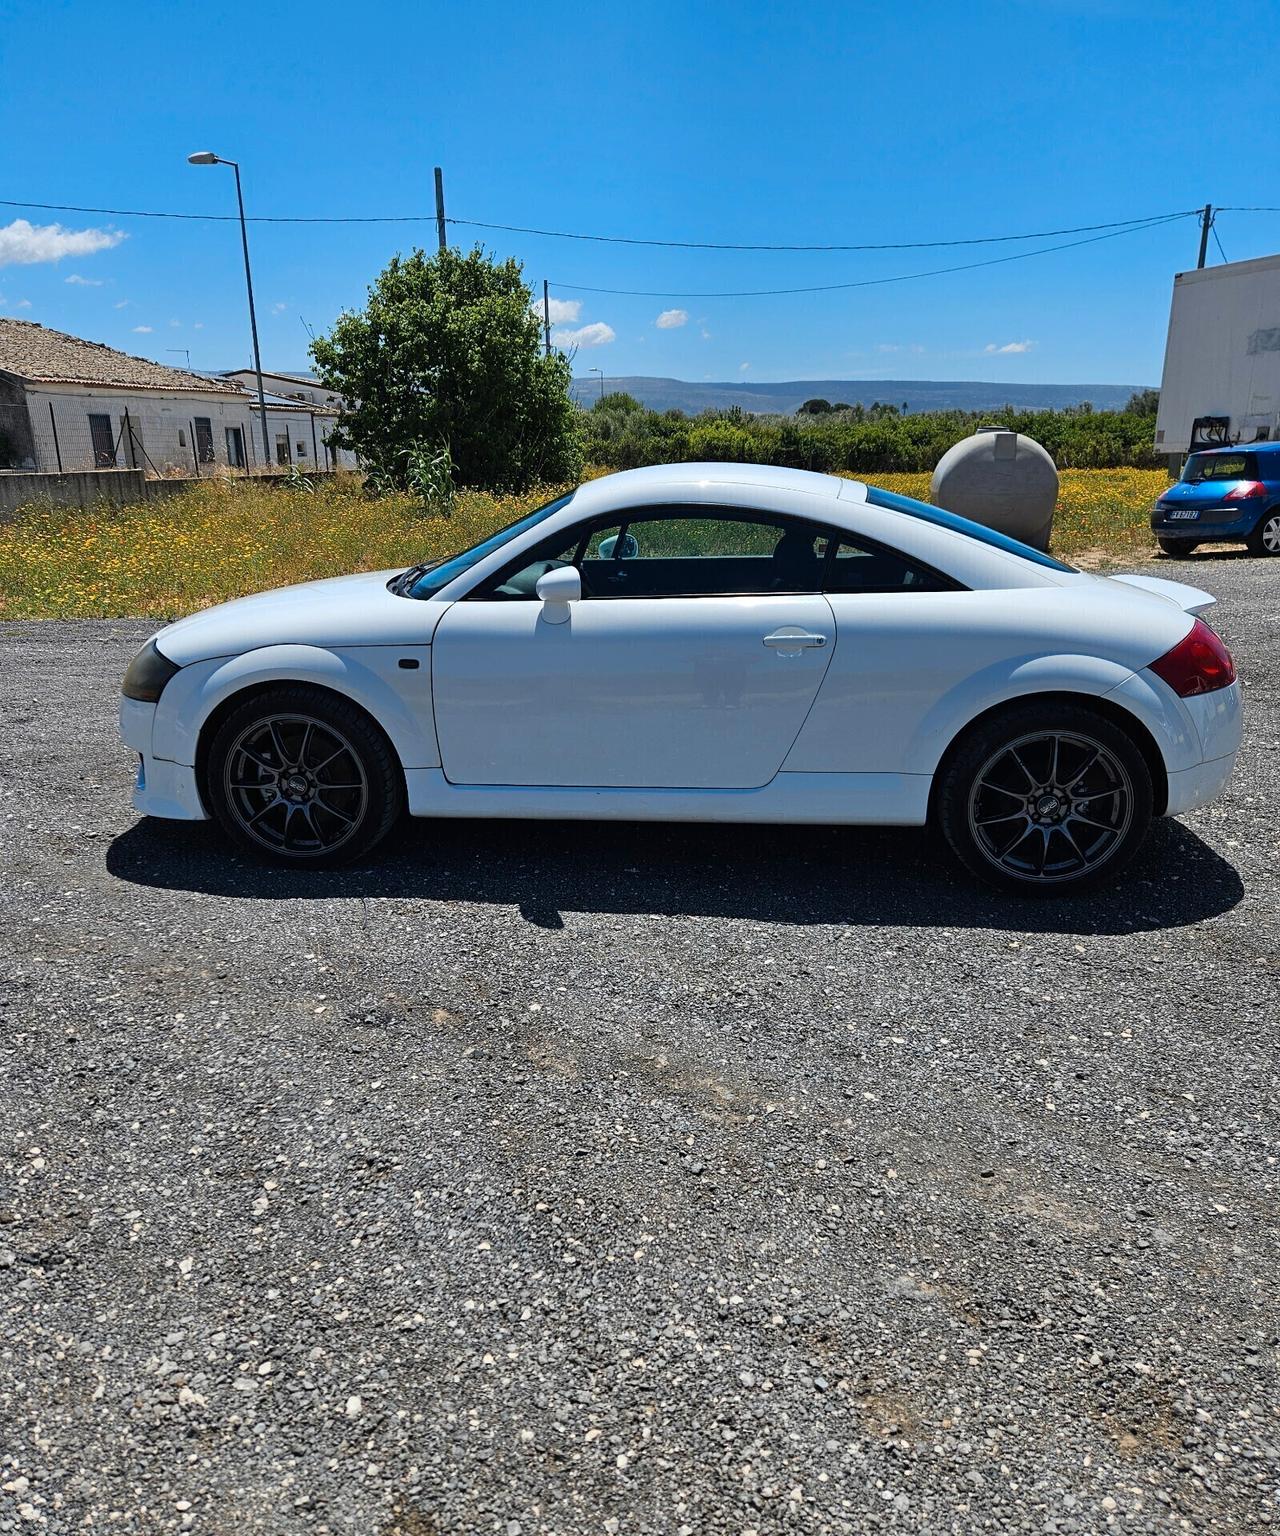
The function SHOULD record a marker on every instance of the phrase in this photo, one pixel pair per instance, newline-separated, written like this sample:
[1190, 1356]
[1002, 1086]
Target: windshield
[1219, 466]
[427, 581]
[930, 514]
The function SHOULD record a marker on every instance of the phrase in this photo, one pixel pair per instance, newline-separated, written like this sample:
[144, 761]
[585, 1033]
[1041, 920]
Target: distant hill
[919, 394]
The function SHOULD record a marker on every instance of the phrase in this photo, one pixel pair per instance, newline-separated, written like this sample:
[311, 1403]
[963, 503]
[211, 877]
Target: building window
[104, 441]
[203, 429]
[235, 447]
[301, 449]
[282, 448]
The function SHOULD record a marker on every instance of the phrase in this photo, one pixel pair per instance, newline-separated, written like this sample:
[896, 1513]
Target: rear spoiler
[1189, 599]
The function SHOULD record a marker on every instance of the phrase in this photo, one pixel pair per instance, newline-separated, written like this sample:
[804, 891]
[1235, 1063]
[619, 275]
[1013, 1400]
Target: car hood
[342, 611]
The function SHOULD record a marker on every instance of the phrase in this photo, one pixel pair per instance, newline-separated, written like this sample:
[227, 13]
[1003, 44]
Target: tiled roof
[42, 356]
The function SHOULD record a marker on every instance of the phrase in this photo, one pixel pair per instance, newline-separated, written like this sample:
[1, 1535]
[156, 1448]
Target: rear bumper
[1219, 723]
[1206, 528]
[162, 788]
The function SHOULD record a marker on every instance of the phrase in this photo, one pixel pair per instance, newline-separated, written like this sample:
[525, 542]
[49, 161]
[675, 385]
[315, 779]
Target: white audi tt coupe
[701, 642]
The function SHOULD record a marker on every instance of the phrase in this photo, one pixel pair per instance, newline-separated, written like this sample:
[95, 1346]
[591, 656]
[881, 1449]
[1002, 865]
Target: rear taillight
[1246, 489]
[1197, 664]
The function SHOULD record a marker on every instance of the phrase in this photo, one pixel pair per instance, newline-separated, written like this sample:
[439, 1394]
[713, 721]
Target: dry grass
[226, 538]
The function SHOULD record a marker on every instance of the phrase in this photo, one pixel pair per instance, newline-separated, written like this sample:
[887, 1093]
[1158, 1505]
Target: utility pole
[443, 238]
[1206, 224]
[546, 315]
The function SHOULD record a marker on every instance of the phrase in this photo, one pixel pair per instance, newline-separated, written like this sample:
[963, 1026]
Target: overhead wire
[866, 282]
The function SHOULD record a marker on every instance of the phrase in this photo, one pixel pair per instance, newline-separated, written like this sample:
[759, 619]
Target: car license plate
[1185, 512]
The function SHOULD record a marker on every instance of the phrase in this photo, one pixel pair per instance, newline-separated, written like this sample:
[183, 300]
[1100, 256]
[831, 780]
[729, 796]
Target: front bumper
[163, 788]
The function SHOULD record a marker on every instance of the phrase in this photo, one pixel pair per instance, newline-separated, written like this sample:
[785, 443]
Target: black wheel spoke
[1013, 794]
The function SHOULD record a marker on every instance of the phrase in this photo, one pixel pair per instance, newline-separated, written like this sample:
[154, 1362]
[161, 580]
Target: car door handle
[794, 640]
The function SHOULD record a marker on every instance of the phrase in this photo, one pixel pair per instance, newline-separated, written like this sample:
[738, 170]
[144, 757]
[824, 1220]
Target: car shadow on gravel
[852, 875]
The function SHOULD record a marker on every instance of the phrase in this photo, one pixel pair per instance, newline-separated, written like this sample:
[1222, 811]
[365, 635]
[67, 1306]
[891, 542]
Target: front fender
[1006, 681]
[371, 676]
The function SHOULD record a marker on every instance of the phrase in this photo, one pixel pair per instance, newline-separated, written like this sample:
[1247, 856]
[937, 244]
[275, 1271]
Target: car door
[691, 661]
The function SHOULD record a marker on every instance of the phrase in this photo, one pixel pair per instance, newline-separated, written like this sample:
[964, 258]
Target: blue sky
[732, 122]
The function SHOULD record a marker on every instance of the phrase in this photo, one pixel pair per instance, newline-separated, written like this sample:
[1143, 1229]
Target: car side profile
[1224, 496]
[701, 642]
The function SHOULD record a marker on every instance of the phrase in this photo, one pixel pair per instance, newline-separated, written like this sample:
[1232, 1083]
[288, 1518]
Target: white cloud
[706, 334]
[278, 308]
[562, 311]
[742, 367]
[198, 326]
[83, 282]
[23, 244]
[23, 304]
[669, 319]
[1009, 347]
[122, 304]
[143, 330]
[888, 346]
[597, 334]
[175, 325]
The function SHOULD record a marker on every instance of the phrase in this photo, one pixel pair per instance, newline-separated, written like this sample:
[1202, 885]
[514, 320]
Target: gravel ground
[593, 1179]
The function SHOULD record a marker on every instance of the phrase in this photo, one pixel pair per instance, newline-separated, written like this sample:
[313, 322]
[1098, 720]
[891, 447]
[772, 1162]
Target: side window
[854, 568]
[678, 552]
[701, 553]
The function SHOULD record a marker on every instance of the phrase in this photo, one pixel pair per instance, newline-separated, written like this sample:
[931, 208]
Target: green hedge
[620, 433]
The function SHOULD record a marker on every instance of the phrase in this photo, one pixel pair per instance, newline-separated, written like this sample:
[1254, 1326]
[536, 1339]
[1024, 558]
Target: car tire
[1178, 548]
[1021, 818]
[1265, 538]
[301, 777]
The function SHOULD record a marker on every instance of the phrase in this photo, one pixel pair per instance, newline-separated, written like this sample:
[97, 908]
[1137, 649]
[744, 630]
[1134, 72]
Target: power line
[558, 234]
[220, 218]
[1213, 229]
[895, 245]
[869, 282]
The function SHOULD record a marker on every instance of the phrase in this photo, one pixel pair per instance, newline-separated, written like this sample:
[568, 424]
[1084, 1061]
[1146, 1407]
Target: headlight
[148, 673]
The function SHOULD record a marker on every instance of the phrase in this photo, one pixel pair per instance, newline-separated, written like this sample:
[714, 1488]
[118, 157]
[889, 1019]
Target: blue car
[1225, 496]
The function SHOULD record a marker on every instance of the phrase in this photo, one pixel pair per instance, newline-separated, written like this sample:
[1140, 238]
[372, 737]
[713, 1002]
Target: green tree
[1144, 402]
[448, 354]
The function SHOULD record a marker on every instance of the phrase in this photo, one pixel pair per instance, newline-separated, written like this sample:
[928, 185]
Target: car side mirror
[557, 589]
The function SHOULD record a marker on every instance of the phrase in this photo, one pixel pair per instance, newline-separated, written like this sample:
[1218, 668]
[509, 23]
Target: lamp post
[600, 371]
[207, 157]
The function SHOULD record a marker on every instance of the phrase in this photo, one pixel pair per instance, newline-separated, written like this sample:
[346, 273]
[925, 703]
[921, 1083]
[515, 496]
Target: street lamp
[600, 371]
[207, 157]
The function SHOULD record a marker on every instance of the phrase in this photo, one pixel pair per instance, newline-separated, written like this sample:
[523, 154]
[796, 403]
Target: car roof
[1242, 448]
[656, 479]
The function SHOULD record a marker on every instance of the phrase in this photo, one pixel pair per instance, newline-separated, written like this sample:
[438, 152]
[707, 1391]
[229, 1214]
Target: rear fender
[363, 674]
[1086, 676]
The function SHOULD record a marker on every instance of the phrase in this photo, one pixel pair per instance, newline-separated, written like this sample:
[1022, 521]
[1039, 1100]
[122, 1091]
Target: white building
[70, 404]
[297, 392]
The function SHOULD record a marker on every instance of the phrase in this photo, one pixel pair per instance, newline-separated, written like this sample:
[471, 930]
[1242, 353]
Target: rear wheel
[1177, 547]
[1265, 538]
[301, 777]
[1045, 798]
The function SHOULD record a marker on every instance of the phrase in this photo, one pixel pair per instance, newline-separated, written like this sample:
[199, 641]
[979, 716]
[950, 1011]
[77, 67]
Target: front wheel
[1265, 538]
[1045, 799]
[303, 777]
[1178, 548]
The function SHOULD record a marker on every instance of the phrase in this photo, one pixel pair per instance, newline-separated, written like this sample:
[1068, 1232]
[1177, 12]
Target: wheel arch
[232, 701]
[1107, 708]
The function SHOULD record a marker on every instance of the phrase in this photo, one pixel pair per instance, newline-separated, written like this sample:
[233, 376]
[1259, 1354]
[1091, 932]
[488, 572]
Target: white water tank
[1001, 479]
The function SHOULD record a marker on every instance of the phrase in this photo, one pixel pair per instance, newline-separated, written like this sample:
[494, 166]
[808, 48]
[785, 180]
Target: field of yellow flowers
[225, 538]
